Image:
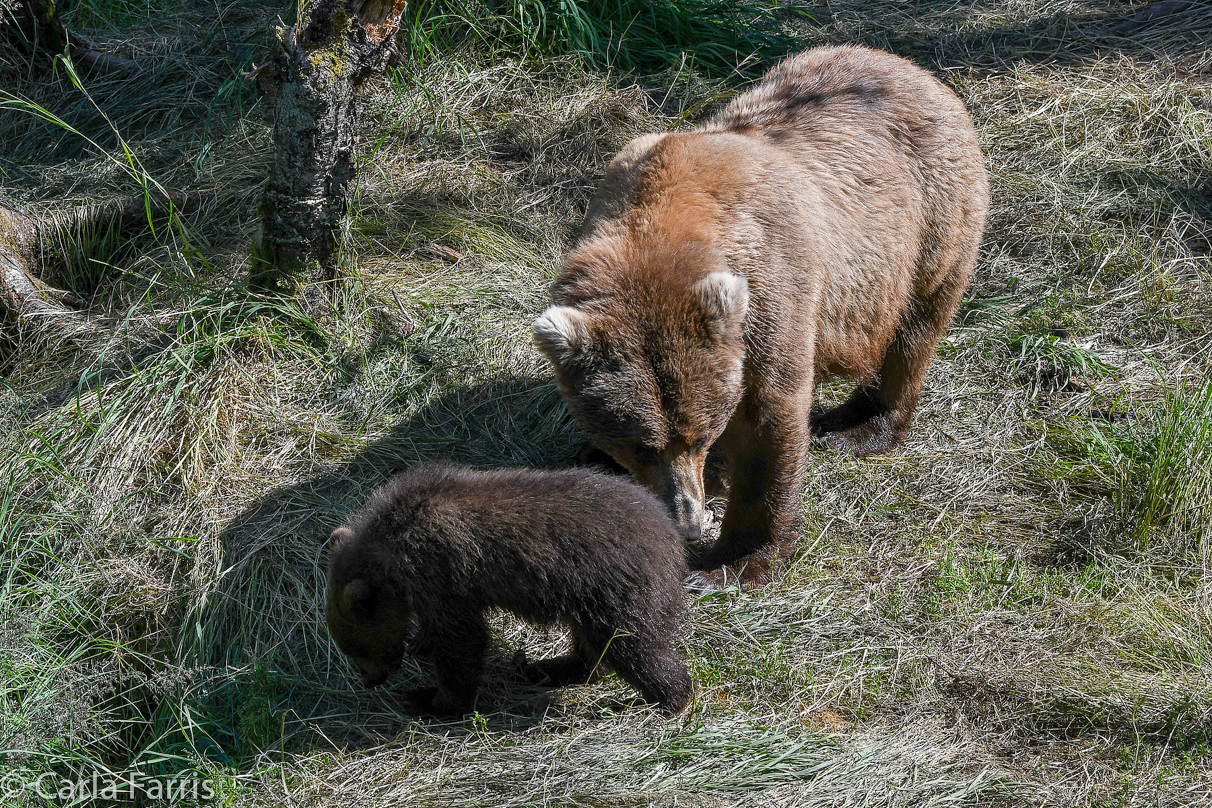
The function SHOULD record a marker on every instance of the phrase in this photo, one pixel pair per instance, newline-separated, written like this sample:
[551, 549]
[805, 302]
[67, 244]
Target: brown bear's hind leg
[876, 419]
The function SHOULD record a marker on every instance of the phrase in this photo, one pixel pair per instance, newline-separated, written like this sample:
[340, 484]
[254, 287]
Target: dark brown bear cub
[440, 544]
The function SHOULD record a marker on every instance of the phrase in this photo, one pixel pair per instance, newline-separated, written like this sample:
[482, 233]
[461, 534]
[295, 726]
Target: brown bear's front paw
[746, 574]
[872, 438]
[700, 582]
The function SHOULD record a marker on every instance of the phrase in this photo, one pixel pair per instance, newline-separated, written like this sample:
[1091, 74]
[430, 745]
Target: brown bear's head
[653, 374]
[367, 619]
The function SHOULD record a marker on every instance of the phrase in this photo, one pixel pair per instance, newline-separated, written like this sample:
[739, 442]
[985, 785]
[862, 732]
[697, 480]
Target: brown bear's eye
[645, 454]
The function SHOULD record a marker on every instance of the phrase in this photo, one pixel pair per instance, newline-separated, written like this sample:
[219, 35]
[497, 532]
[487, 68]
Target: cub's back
[519, 520]
[544, 544]
[578, 506]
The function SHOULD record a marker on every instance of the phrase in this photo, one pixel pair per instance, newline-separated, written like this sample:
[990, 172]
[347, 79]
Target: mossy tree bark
[316, 77]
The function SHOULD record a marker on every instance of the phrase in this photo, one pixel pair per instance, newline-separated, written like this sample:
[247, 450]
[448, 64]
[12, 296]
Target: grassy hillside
[1013, 609]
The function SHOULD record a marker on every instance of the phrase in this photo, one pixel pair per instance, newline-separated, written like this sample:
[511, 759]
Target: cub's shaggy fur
[826, 221]
[440, 544]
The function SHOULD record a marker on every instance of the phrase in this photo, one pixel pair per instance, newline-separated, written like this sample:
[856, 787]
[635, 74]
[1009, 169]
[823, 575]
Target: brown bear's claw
[702, 582]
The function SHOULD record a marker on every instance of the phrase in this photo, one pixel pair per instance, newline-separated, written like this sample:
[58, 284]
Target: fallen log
[31, 247]
[36, 23]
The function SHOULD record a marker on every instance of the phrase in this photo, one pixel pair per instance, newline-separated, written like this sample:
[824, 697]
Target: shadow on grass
[943, 35]
[277, 679]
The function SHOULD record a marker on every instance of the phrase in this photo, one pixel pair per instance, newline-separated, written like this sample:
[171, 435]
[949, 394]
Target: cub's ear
[561, 332]
[725, 300]
[356, 598]
[338, 538]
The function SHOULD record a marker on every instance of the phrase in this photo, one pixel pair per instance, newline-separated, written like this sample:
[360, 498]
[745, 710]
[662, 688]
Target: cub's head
[653, 374]
[367, 619]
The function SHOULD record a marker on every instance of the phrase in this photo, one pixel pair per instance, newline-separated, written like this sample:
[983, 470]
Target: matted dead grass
[990, 616]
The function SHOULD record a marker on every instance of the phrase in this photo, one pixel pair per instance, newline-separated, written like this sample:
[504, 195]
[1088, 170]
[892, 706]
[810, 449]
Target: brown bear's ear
[725, 300]
[339, 537]
[356, 597]
[561, 332]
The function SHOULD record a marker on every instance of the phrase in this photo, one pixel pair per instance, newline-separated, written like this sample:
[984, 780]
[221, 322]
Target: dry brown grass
[984, 617]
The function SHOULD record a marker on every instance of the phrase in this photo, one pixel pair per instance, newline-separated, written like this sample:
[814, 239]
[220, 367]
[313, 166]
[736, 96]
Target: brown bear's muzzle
[680, 487]
[375, 674]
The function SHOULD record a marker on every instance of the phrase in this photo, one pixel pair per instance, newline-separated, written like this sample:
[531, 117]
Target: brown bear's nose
[687, 512]
[375, 678]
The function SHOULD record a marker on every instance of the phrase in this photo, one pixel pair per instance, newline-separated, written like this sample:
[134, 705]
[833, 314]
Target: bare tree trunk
[37, 23]
[317, 75]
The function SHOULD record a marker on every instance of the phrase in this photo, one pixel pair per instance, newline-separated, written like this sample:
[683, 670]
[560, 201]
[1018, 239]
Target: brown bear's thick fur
[827, 221]
[439, 544]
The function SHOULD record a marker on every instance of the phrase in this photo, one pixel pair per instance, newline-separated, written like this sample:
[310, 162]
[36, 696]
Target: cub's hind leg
[579, 667]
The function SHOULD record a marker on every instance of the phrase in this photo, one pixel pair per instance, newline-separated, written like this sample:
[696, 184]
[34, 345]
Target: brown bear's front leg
[459, 660]
[767, 472]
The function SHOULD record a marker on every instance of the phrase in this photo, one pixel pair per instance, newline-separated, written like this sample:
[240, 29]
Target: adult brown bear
[826, 221]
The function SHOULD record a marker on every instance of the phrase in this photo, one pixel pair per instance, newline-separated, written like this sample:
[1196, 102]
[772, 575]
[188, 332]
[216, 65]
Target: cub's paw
[556, 672]
[430, 701]
[677, 699]
[529, 672]
[420, 700]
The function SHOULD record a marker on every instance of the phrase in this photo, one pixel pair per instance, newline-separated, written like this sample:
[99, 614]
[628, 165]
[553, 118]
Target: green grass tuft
[1154, 468]
[715, 37]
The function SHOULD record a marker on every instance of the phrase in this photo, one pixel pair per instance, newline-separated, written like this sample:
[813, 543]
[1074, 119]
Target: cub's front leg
[458, 658]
